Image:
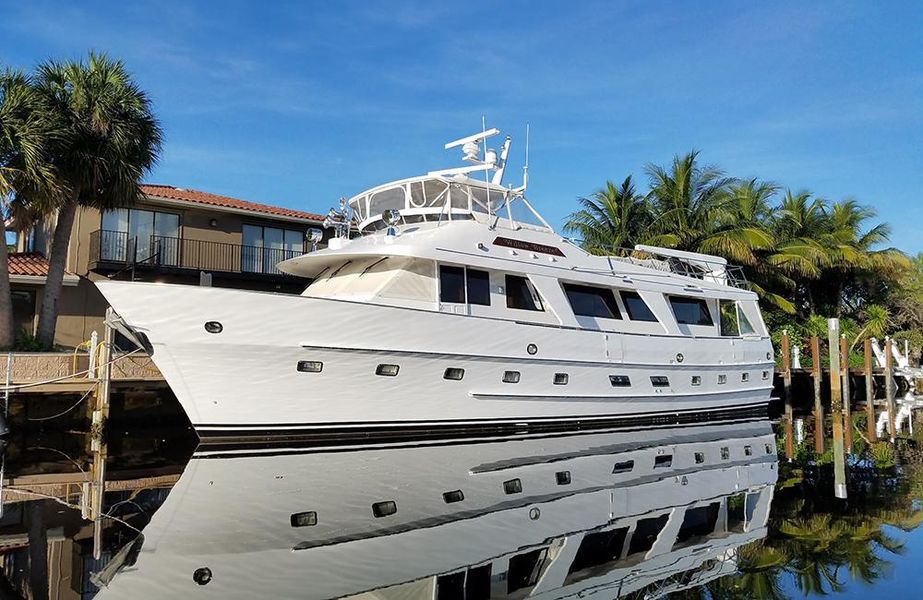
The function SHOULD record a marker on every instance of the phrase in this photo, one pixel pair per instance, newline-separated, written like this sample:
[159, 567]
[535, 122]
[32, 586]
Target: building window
[588, 301]
[521, 295]
[23, 310]
[690, 311]
[143, 236]
[636, 307]
[264, 247]
[459, 285]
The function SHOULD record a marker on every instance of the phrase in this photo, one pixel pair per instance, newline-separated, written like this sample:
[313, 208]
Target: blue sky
[300, 103]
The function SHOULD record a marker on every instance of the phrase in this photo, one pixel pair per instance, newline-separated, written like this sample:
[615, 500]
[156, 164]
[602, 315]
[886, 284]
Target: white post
[94, 341]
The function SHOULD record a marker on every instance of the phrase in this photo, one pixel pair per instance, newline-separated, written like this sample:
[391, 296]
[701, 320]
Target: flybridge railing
[179, 253]
[700, 267]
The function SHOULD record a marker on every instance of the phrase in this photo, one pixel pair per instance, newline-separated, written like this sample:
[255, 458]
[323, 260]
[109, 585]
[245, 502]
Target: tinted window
[524, 570]
[637, 308]
[697, 523]
[690, 311]
[728, 310]
[592, 302]
[478, 287]
[519, 294]
[599, 548]
[451, 284]
[646, 534]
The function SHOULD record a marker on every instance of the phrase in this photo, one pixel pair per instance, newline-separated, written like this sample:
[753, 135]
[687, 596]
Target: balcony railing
[122, 248]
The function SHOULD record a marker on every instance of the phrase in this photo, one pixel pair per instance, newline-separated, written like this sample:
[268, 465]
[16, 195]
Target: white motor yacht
[447, 302]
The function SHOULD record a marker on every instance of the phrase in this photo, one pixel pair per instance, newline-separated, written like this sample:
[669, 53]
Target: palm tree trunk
[48, 319]
[7, 335]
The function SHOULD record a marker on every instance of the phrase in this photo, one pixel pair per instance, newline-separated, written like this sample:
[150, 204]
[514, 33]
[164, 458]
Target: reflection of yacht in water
[447, 301]
[615, 513]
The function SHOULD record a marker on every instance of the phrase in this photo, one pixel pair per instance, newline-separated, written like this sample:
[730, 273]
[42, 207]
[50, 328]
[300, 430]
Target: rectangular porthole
[511, 377]
[623, 467]
[304, 519]
[722, 379]
[619, 380]
[384, 509]
[663, 461]
[748, 450]
[725, 453]
[560, 378]
[765, 375]
[453, 496]
[699, 458]
[453, 373]
[768, 448]
[310, 366]
[562, 477]
[513, 486]
[387, 370]
[660, 380]
[745, 377]
[696, 380]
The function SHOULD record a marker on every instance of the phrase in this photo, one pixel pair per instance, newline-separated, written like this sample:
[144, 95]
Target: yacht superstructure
[446, 301]
[563, 516]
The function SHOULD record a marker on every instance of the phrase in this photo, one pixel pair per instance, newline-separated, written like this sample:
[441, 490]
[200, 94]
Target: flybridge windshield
[441, 199]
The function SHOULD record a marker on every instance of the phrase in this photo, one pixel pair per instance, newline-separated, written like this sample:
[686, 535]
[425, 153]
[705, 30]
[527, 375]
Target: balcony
[119, 250]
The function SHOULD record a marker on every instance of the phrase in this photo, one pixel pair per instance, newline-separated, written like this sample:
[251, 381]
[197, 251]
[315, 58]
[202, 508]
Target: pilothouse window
[691, 311]
[521, 295]
[637, 308]
[589, 301]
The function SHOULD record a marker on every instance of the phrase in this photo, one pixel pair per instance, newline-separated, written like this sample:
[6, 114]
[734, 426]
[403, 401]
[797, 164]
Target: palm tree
[24, 135]
[612, 218]
[110, 140]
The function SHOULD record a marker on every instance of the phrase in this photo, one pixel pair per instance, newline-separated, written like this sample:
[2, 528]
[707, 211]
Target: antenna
[525, 167]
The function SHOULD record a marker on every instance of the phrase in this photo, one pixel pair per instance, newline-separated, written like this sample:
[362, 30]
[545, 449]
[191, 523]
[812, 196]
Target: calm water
[709, 511]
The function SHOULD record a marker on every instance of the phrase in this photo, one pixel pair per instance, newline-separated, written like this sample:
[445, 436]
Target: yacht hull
[245, 380]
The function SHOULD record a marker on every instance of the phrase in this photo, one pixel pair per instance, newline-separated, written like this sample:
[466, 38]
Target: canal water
[704, 511]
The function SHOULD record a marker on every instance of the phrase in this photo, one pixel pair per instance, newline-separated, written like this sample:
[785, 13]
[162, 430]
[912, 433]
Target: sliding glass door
[265, 247]
[143, 236]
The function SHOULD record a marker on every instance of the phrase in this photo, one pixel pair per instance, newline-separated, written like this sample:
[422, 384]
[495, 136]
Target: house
[174, 235]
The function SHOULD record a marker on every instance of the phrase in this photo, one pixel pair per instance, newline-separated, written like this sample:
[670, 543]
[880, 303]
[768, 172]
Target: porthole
[680, 357]
[765, 375]
[532, 349]
[304, 519]
[511, 377]
[387, 370]
[310, 366]
[560, 378]
[725, 453]
[663, 461]
[513, 486]
[214, 327]
[748, 450]
[768, 448]
[202, 576]
[562, 477]
[453, 496]
[699, 458]
[722, 379]
[623, 467]
[453, 373]
[696, 380]
[660, 381]
[619, 380]
[745, 377]
[384, 509]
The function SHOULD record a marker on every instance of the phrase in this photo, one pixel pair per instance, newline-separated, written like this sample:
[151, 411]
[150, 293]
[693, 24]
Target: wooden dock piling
[788, 421]
[869, 393]
[818, 408]
[889, 390]
[847, 394]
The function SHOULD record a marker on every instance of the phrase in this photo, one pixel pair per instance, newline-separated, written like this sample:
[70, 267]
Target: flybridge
[455, 193]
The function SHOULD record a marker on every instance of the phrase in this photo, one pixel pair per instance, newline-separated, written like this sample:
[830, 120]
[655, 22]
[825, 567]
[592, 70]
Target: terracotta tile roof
[195, 196]
[30, 263]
